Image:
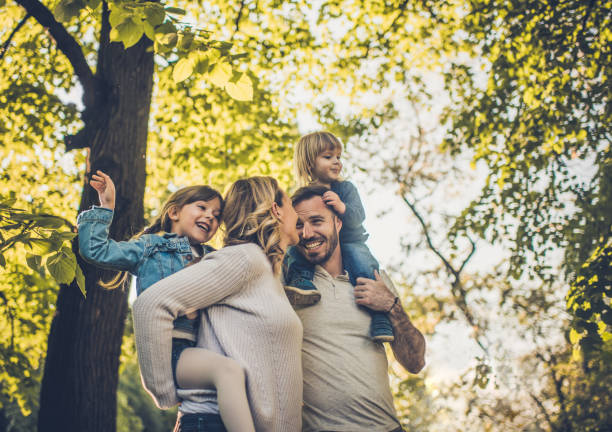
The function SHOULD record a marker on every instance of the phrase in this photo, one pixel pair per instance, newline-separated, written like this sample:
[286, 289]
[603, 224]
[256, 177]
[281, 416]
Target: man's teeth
[313, 245]
[203, 226]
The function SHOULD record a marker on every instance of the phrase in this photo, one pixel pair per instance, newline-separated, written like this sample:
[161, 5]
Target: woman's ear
[275, 210]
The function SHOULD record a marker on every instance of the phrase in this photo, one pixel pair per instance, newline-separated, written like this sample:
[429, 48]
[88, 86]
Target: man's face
[318, 228]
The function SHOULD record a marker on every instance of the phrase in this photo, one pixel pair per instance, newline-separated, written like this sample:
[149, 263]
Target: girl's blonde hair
[248, 216]
[306, 151]
[163, 223]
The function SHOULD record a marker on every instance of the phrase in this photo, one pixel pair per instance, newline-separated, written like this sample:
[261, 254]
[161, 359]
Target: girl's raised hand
[106, 189]
[333, 200]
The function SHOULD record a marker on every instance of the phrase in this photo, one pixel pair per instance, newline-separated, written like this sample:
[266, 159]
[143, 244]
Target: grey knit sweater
[247, 317]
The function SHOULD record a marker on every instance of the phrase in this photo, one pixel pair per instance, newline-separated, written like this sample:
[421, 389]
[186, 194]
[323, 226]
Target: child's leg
[298, 273]
[201, 368]
[359, 262]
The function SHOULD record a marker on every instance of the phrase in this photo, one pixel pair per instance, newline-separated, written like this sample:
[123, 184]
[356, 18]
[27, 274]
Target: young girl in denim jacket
[188, 219]
[317, 160]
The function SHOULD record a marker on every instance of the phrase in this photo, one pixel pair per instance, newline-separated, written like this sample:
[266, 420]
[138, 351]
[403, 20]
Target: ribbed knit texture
[248, 319]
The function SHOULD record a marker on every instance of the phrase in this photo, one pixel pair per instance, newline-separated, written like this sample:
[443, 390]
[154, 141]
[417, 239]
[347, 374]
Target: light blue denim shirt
[150, 257]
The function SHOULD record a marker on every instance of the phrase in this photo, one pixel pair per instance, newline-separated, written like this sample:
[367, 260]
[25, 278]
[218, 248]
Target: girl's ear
[173, 213]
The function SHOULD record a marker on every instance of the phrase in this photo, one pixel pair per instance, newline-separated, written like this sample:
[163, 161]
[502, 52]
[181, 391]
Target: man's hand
[374, 294]
[106, 189]
[409, 344]
[333, 200]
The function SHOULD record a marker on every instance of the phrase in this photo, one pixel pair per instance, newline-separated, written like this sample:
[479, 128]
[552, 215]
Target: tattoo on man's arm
[409, 344]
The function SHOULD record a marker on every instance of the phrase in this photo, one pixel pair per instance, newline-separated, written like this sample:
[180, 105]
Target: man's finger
[377, 275]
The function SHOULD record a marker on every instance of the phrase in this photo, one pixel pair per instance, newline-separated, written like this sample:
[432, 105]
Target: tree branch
[543, 410]
[6, 44]
[65, 42]
[238, 18]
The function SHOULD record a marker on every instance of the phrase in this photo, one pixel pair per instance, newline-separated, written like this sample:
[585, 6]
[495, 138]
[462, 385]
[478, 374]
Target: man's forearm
[409, 344]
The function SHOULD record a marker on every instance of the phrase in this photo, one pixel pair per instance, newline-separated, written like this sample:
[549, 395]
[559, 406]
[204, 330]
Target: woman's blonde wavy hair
[306, 151]
[248, 216]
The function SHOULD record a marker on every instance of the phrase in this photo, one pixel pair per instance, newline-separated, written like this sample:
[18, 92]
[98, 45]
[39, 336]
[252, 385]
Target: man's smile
[312, 244]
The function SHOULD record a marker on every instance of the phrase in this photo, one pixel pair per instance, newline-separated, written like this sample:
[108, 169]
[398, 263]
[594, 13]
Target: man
[346, 383]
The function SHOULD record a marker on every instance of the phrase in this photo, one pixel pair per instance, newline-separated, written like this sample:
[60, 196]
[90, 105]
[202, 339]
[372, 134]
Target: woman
[247, 316]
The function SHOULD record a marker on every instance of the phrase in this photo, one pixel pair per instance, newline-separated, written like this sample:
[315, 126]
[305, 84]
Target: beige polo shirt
[346, 382]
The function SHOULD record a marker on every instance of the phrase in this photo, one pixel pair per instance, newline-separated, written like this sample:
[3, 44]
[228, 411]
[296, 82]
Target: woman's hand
[106, 189]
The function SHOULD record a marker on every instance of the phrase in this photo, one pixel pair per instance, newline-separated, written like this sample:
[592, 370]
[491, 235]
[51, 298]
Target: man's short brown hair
[311, 191]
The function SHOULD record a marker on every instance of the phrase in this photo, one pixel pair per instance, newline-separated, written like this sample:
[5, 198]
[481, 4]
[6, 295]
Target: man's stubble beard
[332, 243]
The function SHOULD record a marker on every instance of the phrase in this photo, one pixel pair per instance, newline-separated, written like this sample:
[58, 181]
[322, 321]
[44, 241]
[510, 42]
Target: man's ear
[338, 222]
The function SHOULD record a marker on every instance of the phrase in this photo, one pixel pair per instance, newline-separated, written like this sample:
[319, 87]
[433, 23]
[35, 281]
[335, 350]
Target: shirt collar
[322, 272]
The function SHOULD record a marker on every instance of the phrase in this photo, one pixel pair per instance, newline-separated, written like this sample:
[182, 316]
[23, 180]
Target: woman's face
[288, 220]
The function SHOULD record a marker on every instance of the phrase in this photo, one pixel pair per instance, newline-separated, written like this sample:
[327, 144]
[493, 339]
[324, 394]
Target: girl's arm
[94, 244]
[218, 276]
[96, 248]
[354, 214]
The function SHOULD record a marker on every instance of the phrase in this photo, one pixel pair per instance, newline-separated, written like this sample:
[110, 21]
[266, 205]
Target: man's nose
[307, 231]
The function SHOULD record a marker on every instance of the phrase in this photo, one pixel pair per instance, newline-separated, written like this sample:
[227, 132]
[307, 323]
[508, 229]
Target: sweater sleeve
[219, 275]
[354, 215]
[96, 248]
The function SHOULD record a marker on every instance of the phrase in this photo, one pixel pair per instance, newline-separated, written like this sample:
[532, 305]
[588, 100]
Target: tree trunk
[81, 371]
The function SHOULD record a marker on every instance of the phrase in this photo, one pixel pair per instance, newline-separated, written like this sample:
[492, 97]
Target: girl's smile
[198, 221]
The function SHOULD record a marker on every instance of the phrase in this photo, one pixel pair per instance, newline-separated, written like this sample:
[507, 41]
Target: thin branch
[465, 261]
[6, 44]
[543, 410]
[238, 18]
[65, 42]
[416, 213]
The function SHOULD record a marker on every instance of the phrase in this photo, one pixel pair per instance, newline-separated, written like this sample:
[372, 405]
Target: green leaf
[167, 39]
[154, 14]
[80, 280]
[49, 221]
[118, 15]
[221, 74]
[61, 265]
[65, 10]
[130, 32]
[574, 336]
[175, 11]
[182, 70]
[185, 40]
[241, 90]
[2, 261]
[33, 261]
[148, 30]
[41, 246]
[63, 235]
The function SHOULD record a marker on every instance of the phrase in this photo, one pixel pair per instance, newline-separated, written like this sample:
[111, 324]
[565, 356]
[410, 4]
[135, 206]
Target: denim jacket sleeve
[354, 215]
[96, 248]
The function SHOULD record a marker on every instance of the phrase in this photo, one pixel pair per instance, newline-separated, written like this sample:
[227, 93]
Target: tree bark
[80, 380]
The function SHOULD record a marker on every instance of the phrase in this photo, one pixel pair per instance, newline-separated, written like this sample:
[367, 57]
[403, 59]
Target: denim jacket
[150, 257]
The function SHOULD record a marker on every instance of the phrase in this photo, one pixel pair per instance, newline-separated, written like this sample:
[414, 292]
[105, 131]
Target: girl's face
[287, 216]
[198, 221]
[328, 166]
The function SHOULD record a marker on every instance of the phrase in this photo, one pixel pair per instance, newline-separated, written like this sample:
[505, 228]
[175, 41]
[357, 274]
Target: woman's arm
[219, 275]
